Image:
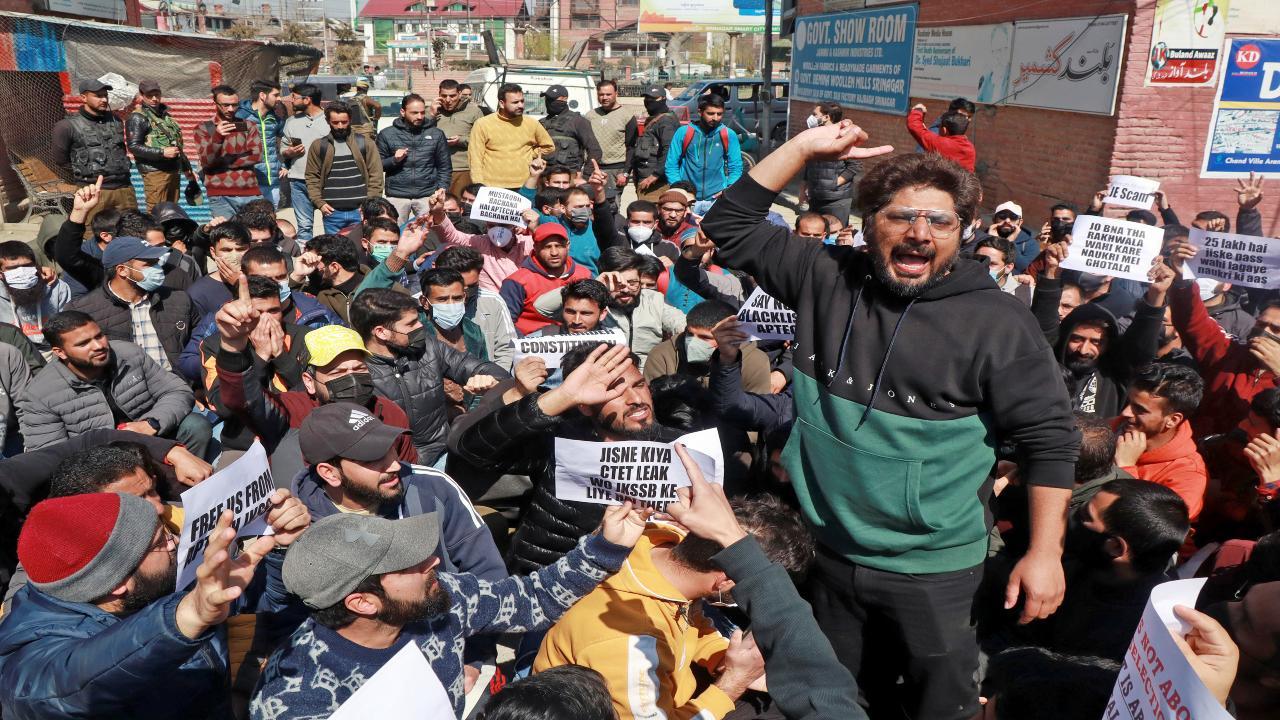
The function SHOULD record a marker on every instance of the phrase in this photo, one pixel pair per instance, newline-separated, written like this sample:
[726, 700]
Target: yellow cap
[326, 343]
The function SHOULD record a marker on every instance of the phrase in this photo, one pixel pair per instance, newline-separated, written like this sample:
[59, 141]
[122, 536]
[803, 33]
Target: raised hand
[537, 166]
[1161, 277]
[743, 665]
[86, 199]
[237, 318]
[730, 337]
[1179, 253]
[598, 176]
[624, 524]
[595, 382]
[530, 373]
[1249, 192]
[1209, 650]
[411, 240]
[287, 516]
[838, 141]
[219, 579]
[702, 507]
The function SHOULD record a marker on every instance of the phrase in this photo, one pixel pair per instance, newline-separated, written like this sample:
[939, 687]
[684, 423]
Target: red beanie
[81, 547]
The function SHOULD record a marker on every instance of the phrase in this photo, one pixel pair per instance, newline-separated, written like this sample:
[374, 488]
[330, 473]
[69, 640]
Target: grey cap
[344, 430]
[338, 552]
[94, 85]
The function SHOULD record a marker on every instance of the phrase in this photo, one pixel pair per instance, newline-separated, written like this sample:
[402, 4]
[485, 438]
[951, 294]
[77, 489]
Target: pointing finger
[98, 185]
[243, 283]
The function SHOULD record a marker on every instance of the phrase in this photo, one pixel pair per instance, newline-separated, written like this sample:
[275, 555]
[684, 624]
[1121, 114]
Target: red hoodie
[952, 147]
[1178, 466]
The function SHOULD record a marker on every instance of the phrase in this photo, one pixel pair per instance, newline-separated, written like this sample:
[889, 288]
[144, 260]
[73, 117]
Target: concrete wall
[1040, 157]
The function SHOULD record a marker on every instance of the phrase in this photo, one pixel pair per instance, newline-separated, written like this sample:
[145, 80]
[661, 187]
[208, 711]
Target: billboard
[860, 59]
[1185, 43]
[1069, 64]
[672, 16]
[969, 61]
[1246, 112]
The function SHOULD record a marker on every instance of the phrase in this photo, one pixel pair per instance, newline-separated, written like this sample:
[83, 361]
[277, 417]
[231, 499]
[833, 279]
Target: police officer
[647, 148]
[365, 111]
[91, 143]
[575, 141]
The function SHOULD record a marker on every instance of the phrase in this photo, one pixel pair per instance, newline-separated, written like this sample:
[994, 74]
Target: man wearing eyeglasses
[900, 404]
[229, 150]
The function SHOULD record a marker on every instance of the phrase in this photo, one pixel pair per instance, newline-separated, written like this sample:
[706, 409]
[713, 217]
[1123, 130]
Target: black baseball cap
[148, 86]
[345, 430]
[655, 92]
[94, 86]
[555, 91]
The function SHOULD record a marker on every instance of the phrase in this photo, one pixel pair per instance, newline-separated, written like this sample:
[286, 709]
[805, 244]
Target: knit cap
[81, 547]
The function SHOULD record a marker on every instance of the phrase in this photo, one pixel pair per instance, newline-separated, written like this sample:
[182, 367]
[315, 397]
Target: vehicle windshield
[692, 91]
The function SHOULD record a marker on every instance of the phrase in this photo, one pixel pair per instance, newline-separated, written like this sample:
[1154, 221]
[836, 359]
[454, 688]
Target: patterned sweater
[318, 669]
[228, 161]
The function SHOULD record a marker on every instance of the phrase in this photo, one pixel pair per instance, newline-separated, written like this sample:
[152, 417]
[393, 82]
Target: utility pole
[555, 29]
[766, 84]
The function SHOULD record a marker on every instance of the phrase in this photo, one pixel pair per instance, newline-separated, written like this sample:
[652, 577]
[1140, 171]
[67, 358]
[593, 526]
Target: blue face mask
[995, 275]
[829, 239]
[448, 315]
[284, 291]
[152, 278]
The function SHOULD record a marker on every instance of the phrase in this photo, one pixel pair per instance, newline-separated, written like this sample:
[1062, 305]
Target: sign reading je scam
[1243, 260]
[243, 487]
[1117, 248]
[647, 473]
[1132, 192]
[497, 205]
[764, 318]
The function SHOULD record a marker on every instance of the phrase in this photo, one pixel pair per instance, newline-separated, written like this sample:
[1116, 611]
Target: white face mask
[22, 278]
[1208, 287]
[639, 234]
[500, 235]
[812, 121]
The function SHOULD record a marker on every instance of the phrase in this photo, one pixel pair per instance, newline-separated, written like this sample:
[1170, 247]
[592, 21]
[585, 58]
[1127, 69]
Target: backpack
[688, 140]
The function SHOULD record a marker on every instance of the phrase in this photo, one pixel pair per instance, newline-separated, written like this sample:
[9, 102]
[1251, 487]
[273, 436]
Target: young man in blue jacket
[99, 631]
[705, 153]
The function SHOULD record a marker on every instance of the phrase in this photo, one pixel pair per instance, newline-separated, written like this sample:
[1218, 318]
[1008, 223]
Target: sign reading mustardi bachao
[860, 59]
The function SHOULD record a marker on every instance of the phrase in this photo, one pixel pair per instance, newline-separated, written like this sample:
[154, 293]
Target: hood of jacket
[532, 265]
[639, 576]
[1182, 445]
[1088, 314]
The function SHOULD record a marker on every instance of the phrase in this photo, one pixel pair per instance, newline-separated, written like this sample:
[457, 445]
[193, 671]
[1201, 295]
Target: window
[585, 13]
[746, 93]
[781, 92]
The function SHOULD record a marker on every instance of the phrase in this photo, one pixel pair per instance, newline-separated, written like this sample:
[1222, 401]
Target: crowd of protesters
[948, 496]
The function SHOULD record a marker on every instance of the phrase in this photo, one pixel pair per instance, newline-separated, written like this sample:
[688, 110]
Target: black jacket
[820, 178]
[647, 151]
[1124, 353]
[575, 142]
[520, 439]
[417, 385]
[150, 159]
[172, 314]
[424, 170]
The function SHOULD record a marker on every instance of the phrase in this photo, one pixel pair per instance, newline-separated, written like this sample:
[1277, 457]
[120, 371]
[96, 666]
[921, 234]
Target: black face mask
[555, 107]
[356, 388]
[415, 347]
[1085, 545]
[342, 134]
[654, 106]
[1060, 227]
[454, 218]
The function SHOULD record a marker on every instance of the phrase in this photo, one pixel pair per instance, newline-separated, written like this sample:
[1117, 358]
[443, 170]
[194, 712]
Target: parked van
[533, 80]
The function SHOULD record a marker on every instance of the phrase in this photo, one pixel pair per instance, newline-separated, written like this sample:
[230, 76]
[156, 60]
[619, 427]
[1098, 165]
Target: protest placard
[243, 487]
[496, 205]
[1245, 260]
[1132, 192]
[406, 688]
[1117, 248]
[764, 318]
[1156, 680]
[552, 348]
[648, 473]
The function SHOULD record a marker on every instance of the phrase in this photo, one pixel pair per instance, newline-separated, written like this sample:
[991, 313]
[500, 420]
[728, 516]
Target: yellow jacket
[501, 149]
[643, 636]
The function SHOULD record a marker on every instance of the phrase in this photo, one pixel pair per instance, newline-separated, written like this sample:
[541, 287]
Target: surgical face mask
[1208, 287]
[285, 292]
[830, 239]
[580, 216]
[500, 235]
[812, 121]
[698, 350]
[448, 315]
[152, 278]
[967, 233]
[22, 278]
[639, 234]
[995, 274]
[356, 387]
[381, 251]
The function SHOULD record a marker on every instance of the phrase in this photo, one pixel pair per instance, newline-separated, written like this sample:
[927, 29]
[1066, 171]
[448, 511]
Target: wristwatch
[154, 423]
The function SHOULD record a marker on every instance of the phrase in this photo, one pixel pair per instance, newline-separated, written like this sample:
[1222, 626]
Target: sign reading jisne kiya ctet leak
[1132, 192]
[648, 473]
[1105, 246]
[243, 487]
[497, 205]
[860, 59]
[1156, 681]
[764, 318]
[1186, 42]
[1070, 64]
[1244, 135]
[969, 61]
[1243, 260]
[551, 348]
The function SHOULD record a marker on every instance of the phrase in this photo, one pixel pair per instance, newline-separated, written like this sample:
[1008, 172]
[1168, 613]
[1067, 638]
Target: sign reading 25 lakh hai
[1246, 113]
[860, 59]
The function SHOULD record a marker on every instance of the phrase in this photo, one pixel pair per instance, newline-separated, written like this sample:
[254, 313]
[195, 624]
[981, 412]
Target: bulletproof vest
[359, 113]
[646, 154]
[97, 148]
[568, 149]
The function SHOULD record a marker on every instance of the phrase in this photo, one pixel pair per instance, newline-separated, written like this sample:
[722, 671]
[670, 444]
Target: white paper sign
[244, 487]
[497, 205]
[1156, 680]
[1070, 64]
[1132, 192]
[969, 61]
[406, 688]
[1117, 248]
[764, 318]
[645, 472]
[1244, 260]
[553, 347]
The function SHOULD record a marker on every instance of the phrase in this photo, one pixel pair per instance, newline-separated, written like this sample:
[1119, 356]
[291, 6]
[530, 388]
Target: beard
[371, 497]
[149, 588]
[342, 134]
[626, 307]
[908, 290]
[399, 613]
[28, 297]
[1079, 366]
[617, 426]
[1005, 231]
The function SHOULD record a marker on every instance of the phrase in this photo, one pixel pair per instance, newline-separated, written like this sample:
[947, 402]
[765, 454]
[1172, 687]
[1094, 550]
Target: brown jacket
[320, 162]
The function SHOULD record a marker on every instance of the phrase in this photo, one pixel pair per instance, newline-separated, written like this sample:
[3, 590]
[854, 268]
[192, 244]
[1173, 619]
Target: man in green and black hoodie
[901, 401]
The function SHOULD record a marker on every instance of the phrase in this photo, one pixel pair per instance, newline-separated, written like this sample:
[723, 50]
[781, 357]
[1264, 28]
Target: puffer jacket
[519, 439]
[270, 128]
[58, 405]
[172, 313]
[820, 178]
[417, 385]
[424, 170]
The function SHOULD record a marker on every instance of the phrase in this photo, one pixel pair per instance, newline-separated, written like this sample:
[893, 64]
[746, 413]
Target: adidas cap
[345, 430]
